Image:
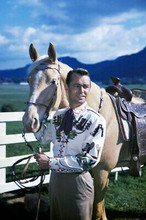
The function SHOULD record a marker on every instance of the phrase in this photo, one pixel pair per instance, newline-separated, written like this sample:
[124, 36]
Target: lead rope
[39, 195]
[41, 137]
[20, 183]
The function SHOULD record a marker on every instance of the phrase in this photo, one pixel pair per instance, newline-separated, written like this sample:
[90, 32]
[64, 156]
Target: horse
[47, 85]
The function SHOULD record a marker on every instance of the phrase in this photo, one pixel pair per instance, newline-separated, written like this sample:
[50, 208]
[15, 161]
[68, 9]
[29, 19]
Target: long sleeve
[90, 153]
[94, 142]
[80, 149]
[44, 135]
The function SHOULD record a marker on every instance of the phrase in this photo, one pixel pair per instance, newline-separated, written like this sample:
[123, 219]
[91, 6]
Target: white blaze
[38, 78]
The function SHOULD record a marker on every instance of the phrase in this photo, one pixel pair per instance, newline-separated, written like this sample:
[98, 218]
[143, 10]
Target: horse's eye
[53, 81]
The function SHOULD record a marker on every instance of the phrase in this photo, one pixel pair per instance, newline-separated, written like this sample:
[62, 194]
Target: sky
[89, 30]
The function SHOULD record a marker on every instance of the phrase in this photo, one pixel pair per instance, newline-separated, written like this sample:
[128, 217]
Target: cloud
[30, 31]
[3, 40]
[44, 10]
[14, 32]
[18, 48]
[106, 41]
[123, 17]
[89, 35]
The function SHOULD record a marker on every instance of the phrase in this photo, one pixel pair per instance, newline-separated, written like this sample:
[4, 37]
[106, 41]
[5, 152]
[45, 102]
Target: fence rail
[6, 162]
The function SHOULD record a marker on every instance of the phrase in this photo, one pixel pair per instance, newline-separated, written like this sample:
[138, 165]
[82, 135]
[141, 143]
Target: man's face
[78, 90]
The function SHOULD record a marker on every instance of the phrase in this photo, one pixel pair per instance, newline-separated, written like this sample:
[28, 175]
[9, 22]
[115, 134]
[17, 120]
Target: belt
[67, 172]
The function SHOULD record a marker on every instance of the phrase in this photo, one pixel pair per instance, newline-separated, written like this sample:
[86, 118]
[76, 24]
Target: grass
[125, 198]
[15, 95]
[127, 195]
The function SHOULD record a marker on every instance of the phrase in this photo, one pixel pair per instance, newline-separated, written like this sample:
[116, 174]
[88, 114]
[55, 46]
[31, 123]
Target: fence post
[2, 153]
[116, 175]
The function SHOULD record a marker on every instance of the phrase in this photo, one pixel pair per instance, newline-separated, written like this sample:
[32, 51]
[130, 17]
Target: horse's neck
[63, 96]
[98, 96]
[95, 96]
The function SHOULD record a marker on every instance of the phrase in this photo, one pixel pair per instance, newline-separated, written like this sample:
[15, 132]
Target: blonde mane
[41, 59]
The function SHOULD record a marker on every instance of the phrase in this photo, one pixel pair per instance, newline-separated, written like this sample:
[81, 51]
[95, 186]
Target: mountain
[129, 68]
[14, 75]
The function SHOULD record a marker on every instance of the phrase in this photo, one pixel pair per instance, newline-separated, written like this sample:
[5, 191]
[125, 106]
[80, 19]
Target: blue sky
[89, 30]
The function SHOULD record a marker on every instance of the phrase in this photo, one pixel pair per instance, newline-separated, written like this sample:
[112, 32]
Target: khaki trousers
[71, 196]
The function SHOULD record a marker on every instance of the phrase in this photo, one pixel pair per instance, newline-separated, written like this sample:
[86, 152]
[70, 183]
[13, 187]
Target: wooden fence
[9, 161]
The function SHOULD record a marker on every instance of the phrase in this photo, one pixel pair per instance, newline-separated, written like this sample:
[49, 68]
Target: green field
[17, 95]
[125, 198]
[14, 94]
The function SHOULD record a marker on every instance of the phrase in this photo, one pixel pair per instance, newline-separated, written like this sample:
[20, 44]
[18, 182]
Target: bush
[8, 108]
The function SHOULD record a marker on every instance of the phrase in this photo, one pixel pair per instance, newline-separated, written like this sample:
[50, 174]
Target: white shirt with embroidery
[81, 149]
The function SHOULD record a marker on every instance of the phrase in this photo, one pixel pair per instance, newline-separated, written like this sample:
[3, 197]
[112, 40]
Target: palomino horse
[46, 80]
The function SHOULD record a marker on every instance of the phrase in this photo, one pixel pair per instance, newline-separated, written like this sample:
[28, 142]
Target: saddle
[119, 90]
[141, 93]
[135, 115]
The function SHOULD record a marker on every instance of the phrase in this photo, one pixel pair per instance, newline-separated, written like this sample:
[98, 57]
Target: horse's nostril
[31, 124]
[34, 123]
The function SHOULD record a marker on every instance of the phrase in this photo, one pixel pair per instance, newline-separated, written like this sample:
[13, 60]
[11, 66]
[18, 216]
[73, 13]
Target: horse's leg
[100, 184]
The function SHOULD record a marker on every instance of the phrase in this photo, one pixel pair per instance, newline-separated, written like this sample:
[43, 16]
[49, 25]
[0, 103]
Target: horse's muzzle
[31, 124]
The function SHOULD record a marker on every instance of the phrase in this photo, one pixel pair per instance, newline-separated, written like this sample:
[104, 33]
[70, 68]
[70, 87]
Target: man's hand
[42, 160]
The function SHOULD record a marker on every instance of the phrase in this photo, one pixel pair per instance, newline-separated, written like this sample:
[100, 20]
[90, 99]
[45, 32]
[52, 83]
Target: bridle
[48, 107]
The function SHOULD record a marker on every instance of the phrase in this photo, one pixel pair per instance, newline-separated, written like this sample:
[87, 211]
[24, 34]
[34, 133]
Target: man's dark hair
[79, 71]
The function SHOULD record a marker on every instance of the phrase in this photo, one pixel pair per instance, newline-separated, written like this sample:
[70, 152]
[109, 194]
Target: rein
[18, 180]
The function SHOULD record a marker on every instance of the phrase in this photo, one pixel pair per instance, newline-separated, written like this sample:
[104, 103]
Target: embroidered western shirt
[79, 150]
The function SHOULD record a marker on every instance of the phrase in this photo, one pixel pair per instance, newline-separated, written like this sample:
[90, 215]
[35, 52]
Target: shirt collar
[79, 110]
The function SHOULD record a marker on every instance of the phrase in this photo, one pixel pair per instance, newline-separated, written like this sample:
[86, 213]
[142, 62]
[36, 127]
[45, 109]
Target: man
[77, 134]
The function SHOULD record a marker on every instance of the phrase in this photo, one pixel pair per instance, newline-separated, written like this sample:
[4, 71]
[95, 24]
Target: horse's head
[45, 89]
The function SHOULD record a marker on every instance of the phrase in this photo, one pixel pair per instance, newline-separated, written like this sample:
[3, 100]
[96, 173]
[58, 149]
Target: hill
[130, 68]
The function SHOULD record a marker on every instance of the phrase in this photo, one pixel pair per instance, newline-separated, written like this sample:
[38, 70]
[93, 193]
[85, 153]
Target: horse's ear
[52, 53]
[33, 53]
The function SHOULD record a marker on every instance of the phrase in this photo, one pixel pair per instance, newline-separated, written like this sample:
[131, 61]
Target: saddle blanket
[123, 123]
[125, 129]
